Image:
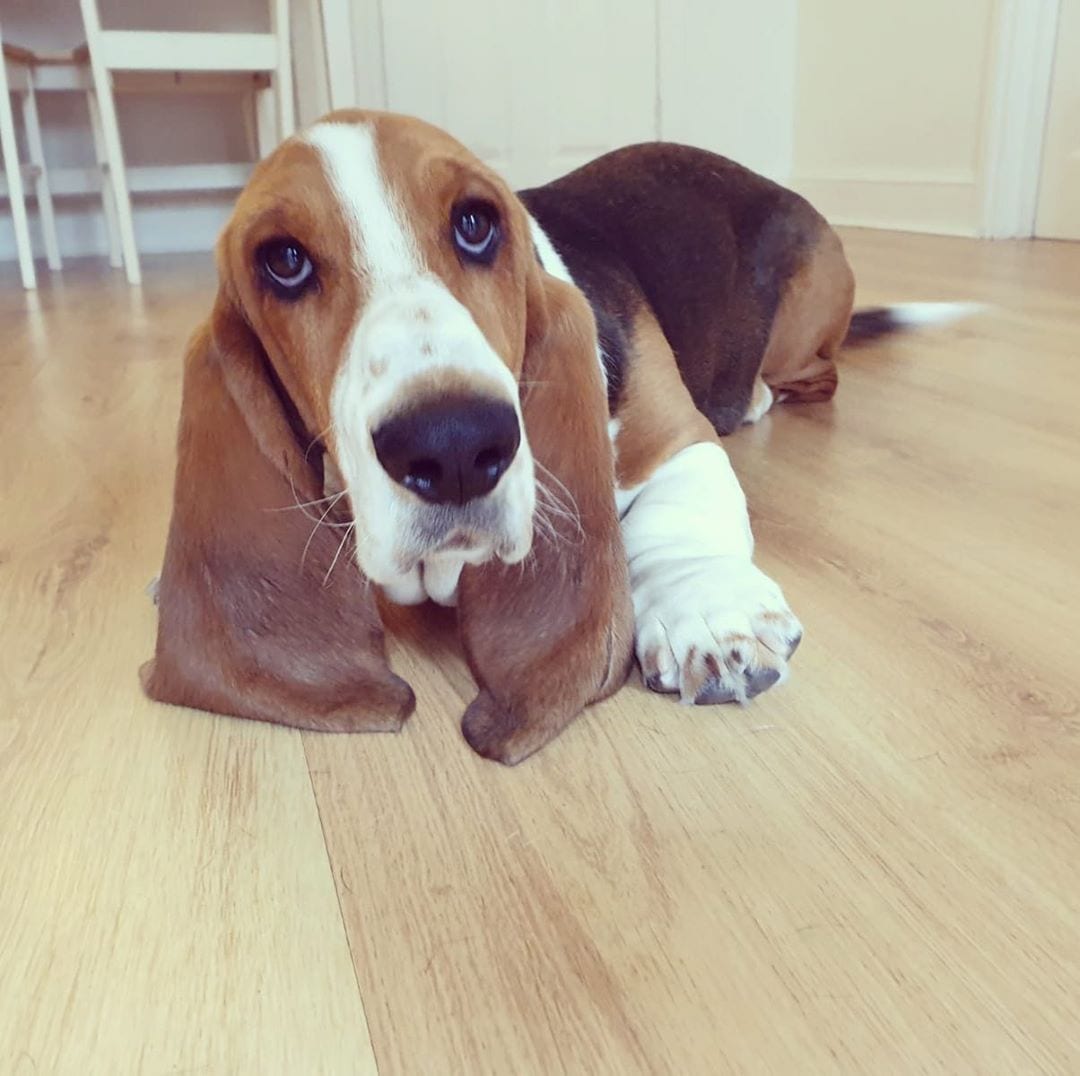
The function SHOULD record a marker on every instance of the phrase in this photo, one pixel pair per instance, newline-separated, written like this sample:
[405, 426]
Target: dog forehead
[383, 242]
[394, 177]
[288, 195]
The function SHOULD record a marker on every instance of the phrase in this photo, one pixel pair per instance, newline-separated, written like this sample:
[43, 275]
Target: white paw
[714, 629]
[760, 401]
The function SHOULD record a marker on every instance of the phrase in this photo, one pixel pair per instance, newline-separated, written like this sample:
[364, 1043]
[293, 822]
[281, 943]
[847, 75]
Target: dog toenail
[713, 693]
[760, 680]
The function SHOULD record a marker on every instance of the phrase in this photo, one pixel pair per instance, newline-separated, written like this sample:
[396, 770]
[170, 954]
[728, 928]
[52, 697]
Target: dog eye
[287, 266]
[476, 230]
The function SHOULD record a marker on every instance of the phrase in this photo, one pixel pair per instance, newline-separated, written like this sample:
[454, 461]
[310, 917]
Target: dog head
[388, 342]
[391, 279]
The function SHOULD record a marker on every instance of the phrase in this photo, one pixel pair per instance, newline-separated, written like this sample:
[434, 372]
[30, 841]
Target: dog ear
[256, 618]
[549, 636]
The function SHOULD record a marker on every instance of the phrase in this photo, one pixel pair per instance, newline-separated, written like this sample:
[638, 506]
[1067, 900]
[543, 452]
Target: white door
[1058, 215]
[534, 89]
[596, 88]
[537, 88]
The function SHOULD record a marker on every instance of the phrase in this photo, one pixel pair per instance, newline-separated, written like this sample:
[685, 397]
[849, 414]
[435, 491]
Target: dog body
[747, 282]
[512, 404]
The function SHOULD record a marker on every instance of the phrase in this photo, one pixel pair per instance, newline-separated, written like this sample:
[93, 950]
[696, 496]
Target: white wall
[890, 110]
[728, 79]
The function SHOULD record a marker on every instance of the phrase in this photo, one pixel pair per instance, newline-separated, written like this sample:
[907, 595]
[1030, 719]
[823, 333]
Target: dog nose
[449, 451]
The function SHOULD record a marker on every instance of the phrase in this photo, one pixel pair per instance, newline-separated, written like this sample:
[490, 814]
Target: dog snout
[449, 451]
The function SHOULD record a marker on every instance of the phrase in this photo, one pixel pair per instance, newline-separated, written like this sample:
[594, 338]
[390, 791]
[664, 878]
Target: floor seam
[337, 896]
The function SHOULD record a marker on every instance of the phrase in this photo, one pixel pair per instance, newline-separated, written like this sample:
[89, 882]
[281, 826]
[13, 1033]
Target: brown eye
[476, 230]
[287, 266]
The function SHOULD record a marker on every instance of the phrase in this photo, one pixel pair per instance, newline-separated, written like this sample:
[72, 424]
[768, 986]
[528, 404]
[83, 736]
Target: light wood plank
[872, 869]
[166, 904]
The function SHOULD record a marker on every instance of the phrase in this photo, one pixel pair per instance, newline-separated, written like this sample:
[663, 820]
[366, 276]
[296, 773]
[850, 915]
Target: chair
[113, 51]
[17, 78]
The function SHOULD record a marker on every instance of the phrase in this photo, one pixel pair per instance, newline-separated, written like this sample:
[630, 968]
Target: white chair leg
[266, 125]
[13, 172]
[108, 196]
[251, 122]
[114, 152]
[41, 175]
[283, 80]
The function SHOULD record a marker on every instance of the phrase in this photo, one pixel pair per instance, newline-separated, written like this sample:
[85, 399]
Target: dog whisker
[317, 439]
[555, 504]
[320, 522]
[301, 505]
[341, 546]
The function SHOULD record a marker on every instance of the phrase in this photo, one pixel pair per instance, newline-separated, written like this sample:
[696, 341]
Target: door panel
[442, 61]
[533, 89]
[602, 90]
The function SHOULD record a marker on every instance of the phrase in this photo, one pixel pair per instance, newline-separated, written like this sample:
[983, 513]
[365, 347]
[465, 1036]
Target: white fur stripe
[913, 314]
[553, 264]
[549, 256]
[386, 248]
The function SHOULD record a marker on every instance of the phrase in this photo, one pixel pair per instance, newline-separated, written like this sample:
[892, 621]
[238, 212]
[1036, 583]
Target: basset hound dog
[508, 403]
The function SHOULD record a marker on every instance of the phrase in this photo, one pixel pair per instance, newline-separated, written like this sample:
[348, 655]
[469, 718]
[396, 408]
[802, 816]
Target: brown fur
[811, 324]
[288, 194]
[430, 172]
[739, 273]
[250, 624]
[657, 417]
[553, 635]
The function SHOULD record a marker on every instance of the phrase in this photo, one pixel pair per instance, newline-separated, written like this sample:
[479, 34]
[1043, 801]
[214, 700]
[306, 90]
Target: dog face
[391, 280]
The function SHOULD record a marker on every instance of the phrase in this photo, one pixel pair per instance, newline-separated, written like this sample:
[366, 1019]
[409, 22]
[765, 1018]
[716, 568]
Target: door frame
[1014, 124]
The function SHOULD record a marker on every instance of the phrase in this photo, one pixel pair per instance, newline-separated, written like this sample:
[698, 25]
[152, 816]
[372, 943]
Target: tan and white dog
[511, 403]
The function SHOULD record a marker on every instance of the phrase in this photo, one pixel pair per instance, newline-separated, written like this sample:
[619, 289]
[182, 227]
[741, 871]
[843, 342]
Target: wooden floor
[874, 869]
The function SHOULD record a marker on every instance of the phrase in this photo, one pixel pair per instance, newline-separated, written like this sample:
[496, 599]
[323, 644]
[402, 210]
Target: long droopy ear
[253, 620]
[547, 637]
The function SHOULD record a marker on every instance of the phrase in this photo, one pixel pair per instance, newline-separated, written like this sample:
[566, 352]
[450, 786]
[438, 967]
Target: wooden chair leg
[42, 192]
[13, 172]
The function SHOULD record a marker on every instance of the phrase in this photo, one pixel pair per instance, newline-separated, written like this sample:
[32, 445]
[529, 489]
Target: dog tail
[874, 322]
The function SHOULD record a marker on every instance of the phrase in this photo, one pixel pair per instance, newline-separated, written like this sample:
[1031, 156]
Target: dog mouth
[469, 545]
[441, 537]
[480, 530]
[458, 540]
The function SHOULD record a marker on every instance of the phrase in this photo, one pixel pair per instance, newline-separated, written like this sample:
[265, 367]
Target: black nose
[449, 451]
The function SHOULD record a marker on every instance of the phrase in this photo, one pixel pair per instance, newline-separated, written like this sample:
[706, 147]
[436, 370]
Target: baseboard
[942, 205]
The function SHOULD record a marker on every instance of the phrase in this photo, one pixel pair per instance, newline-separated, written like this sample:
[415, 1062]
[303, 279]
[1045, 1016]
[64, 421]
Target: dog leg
[708, 623]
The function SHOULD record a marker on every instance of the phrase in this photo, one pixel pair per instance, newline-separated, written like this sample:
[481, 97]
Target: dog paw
[713, 629]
